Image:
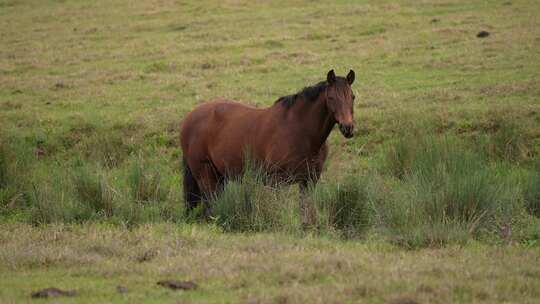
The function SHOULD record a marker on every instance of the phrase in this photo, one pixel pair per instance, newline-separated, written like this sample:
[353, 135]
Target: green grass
[532, 191]
[346, 207]
[93, 189]
[145, 182]
[446, 191]
[250, 203]
[92, 95]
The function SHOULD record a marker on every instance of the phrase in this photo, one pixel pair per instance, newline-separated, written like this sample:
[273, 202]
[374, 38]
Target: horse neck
[314, 118]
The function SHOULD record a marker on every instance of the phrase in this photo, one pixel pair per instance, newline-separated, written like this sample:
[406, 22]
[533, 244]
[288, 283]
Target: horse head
[340, 101]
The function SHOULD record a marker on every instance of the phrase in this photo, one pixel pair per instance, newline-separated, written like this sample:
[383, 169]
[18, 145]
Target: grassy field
[436, 200]
[255, 268]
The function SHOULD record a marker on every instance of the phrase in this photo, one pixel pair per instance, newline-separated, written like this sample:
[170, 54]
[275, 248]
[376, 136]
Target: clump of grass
[248, 203]
[346, 206]
[509, 141]
[43, 207]
[3, 167]
[130, 213]
[398, 158]
[145, 182]
[93, 189]
[532, 192]
[444, 192]
[50, 201]
[107, 148]
[16, 161]
[5, 196]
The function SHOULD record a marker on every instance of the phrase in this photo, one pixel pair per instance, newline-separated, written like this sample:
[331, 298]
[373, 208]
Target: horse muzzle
[347, 130]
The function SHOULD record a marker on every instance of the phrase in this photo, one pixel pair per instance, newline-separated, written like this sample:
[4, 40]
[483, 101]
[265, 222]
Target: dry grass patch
[255, 268]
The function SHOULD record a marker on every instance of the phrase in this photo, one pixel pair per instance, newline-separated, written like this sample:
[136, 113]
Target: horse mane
[308, 93]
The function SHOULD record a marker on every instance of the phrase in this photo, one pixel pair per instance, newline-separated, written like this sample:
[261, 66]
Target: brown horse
[288, 139]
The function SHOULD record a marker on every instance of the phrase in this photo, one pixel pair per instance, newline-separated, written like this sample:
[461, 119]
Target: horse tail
[192, 193]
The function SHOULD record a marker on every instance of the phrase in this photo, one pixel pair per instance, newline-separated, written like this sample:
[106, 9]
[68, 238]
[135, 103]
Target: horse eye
[353, 97]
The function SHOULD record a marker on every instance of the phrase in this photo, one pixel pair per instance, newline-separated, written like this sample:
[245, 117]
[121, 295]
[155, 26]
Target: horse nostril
[347, 129]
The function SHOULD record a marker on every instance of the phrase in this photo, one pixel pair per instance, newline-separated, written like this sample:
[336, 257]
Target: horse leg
[192, 193]
[209, 183]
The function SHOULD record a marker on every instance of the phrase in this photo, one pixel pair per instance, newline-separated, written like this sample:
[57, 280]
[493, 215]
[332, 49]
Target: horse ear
[331, 77]
[350, 77]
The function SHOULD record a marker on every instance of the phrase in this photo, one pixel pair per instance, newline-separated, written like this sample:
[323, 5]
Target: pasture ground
[92, 94]
[254, 268]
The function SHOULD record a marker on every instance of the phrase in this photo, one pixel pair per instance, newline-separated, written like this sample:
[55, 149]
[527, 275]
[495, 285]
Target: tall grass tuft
[3, 167]
[146, 183]
[5, 195]
[346, 206]
[51, 200]
[93, 189]
[398, 157]
[444, 192]
[249, 203]
[16, 161]
[532, 191]
[44, 208]
[509, 142]
[108, 149]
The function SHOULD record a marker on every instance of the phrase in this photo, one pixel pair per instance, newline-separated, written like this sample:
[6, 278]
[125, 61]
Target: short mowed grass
[436, 200]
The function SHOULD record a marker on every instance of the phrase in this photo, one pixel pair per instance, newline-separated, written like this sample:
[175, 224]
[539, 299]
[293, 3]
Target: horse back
[220, 129]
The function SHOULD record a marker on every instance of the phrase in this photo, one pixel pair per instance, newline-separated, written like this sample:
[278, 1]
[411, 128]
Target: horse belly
[292, 159]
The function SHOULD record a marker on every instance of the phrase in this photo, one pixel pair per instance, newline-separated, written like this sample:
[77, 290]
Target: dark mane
[308, 93]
